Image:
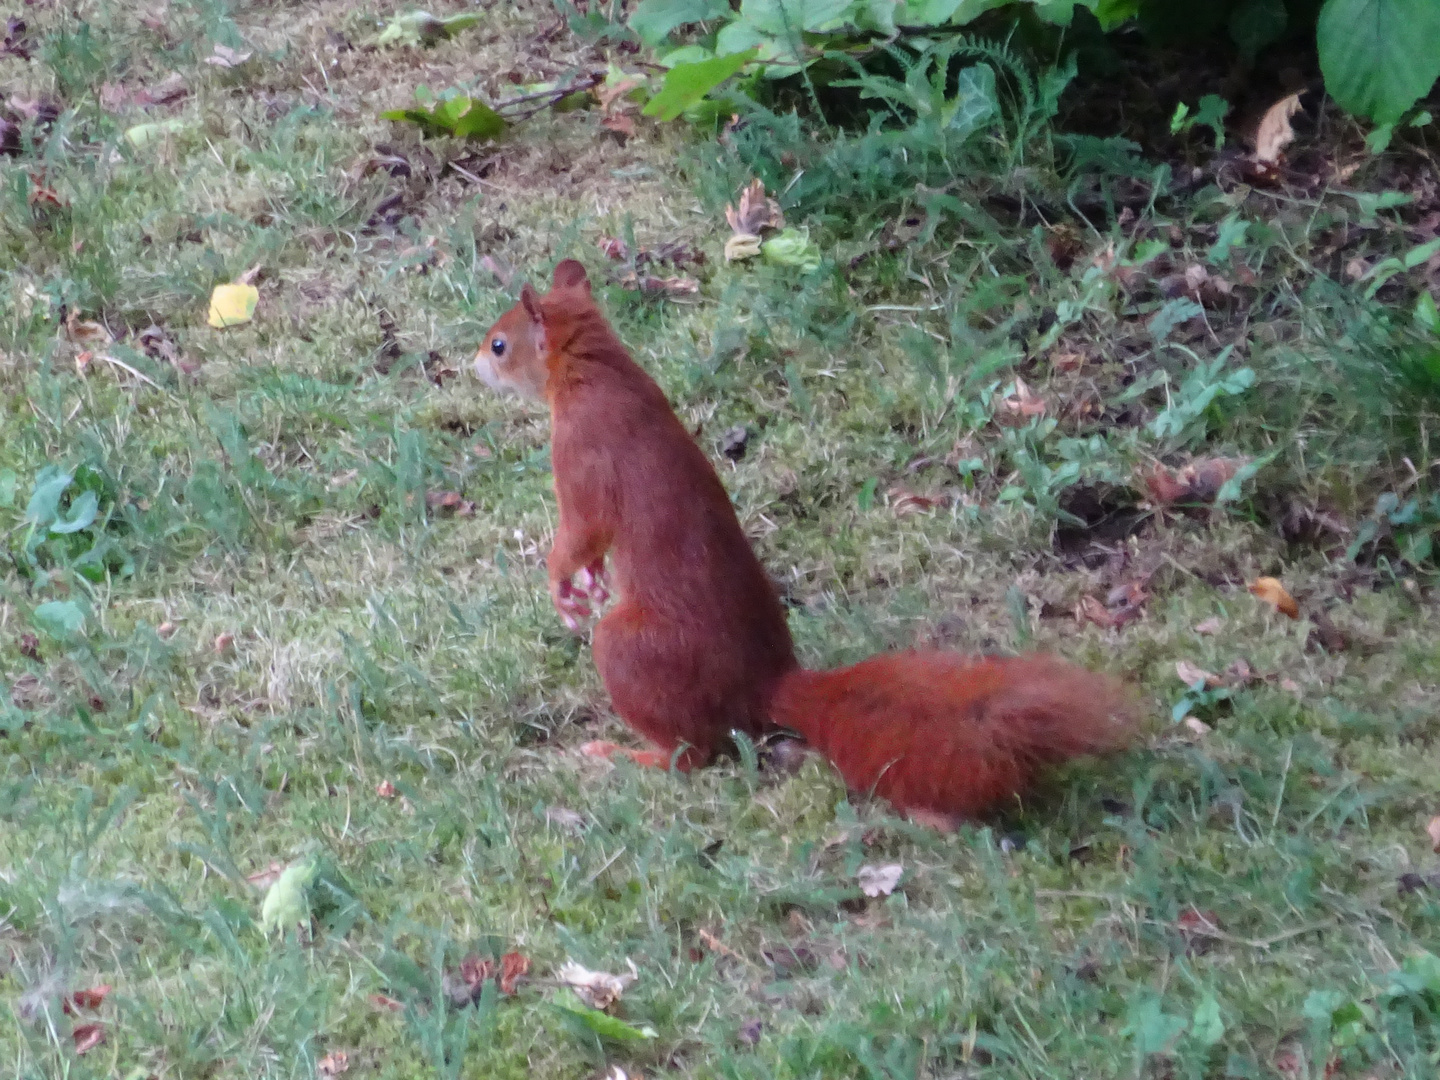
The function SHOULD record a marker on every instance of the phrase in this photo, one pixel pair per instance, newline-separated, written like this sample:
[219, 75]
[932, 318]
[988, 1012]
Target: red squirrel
[697, 644]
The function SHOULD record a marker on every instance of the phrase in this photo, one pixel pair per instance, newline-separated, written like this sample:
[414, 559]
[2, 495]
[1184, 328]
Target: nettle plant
[1379, 57]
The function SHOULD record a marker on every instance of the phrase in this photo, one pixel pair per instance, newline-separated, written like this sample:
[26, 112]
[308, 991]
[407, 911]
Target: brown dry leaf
[386, 1004]
[757, 211]
[82, 362]
[613, 95]
[85, 332]
[337, 1061]
[879, 880]
[622, 123]
[612, 247]
[514, 966]
[598, 989]
[1273, 593]
[165, 630]
[1211, 625]
[86, 999]
[385, 789]
[223, 642]
[1092, 610]
[1198, 482]
[1433, 829]
[1067, 361]
[1190, 674]
[166, 92]
[1274, 132]
[87, 1037]
[904, 502]
[1022, 401]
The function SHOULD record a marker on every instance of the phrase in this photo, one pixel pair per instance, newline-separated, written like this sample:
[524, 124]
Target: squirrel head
[516, 351]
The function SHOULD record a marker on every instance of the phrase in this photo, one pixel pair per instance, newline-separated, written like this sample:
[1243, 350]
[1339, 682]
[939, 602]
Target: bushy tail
[949, 736]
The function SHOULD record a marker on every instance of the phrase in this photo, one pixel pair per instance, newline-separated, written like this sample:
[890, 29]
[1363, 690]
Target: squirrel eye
[498, 346]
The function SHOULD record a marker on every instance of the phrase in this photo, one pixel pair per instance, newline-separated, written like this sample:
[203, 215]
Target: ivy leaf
[1379, 56]
[788, 17]
[1206, 1025]
[686, 84]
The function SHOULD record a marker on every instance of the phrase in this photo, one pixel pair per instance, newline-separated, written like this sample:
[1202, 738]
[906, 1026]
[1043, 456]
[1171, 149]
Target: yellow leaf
[231, 305]
[1275, 133]
[1273, 593]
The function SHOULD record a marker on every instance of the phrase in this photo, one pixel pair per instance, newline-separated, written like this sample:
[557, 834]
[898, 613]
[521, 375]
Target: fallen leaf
[226, 57]
[337, 1061]
[653, 285]
[1089, 609]
[1434, 830]
[757, 211]
[87, 1037]
[387, 1004]
[565, 818]
[385, 789]
[597, 989]
[1198, 482]
[1198, 726]
[285, 903]
[1022, 401]
[141, 136]
[1190, 674]
[233, 304]
[904, 502]
[612, 247]
[620, 123]
[84, 332]
[879, 880]
[165, 629]
[1274, 132]
[1212, 625]
[87, 999]
[514, 966]
[166, 92]
[223, 642]
[742, 246]
[1273, 593]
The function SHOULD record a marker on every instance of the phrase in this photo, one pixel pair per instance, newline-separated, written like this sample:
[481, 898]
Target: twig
[552, 97]
[126, 367]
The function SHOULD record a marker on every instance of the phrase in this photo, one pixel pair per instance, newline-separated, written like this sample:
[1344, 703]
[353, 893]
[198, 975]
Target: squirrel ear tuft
[530, 300]
[569, 274]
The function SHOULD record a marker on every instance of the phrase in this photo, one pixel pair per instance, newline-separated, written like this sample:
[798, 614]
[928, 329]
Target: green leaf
[784, 18]
[422, 28]
[1112, 13]
[654, 19]
[1206, 1025]
[63, 620]
[974, 101]
[1231, 234]
[1152, 1029]
[453, 114]
[877, 16]
[1379, 56]
[1175, 312]
[82, 514]
[1426, 315]
[686, 84]
[50, 485]
[602, 1024]
[1255, 24]
[286, 901]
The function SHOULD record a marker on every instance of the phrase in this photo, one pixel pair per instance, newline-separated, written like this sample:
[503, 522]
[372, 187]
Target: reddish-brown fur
[698, 646]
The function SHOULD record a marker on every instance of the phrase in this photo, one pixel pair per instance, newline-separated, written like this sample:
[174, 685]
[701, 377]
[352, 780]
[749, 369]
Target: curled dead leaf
[1433, 829]
[757, 211]
[86, 332]
[1275, 132]
[904, 502]
[223, 642]
[1273, 593]
[612, 247]
[385, 789]
[742, 246]
[514, 966]
[1190, 674]
[598, 989]
[1022, 402]
[87, 1037]
[337, 1061]
[879, 880]
[92, 998]
[1198, 482]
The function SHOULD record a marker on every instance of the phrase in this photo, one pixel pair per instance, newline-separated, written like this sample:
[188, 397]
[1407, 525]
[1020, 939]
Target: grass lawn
[290, 606]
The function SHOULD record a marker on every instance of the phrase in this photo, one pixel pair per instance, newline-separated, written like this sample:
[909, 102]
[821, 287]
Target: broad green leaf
[82, 514]
[1152, 1029]
[794, 248]
[1379, 56]
[1207, 1026]
[50, 485]
[1255, 24]
[285, 902]
[784, 18]
[654, 19]
[63, 620]
[686, 84]
[876, 15]
[602, 1024]
[974, 100]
